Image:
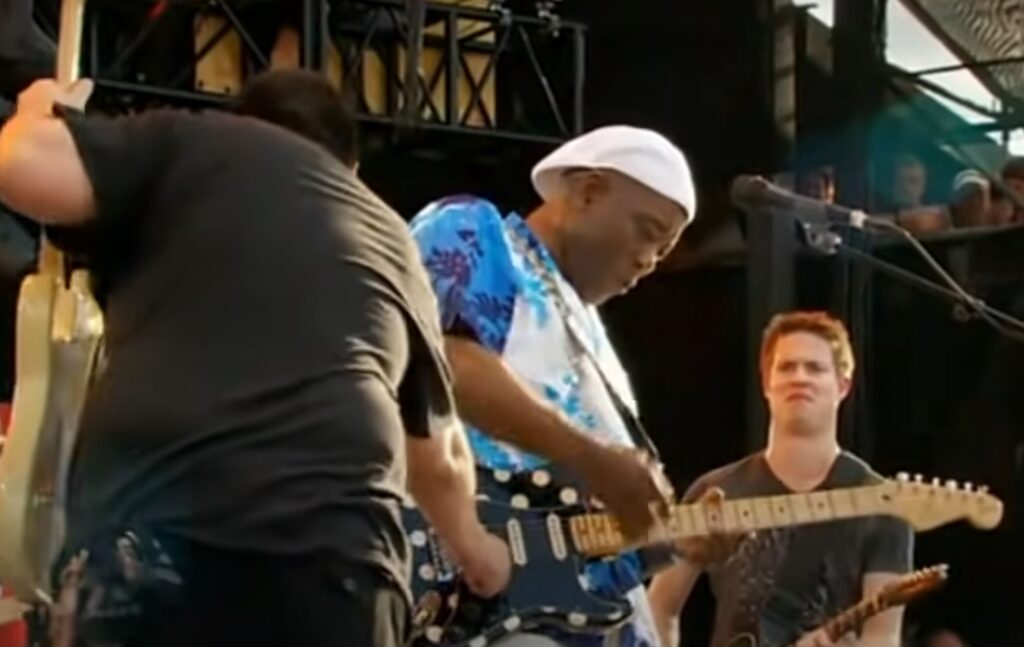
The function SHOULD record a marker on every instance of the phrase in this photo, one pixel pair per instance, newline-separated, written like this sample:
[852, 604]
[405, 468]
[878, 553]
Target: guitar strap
[655, 557]
[636, 430]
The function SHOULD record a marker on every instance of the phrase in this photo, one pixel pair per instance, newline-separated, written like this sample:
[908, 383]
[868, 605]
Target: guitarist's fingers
[713, 496]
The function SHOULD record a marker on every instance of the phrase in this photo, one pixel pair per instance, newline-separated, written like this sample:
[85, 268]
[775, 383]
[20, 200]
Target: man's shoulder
[853, 470]
[457, 213]
[217, 132]
[728, 475]
[464, 237]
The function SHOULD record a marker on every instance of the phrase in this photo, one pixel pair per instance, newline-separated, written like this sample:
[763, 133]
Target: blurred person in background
[1013, 178]
[907, 194]
[970, 203]
[819, 183]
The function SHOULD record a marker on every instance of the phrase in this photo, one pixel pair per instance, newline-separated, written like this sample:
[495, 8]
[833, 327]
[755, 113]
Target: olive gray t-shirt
[786, 582]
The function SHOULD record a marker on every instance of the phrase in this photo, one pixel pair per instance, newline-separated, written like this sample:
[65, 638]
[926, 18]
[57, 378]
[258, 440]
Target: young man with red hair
[780, 586]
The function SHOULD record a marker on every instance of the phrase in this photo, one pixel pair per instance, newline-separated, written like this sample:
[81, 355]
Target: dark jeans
[229, 598]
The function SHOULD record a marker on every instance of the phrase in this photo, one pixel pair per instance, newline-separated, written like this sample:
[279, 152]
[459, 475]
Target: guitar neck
[598, 534]
[852, 618]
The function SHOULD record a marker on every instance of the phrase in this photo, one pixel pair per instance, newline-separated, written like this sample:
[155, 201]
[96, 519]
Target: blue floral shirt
[489, 290]
[494, 282]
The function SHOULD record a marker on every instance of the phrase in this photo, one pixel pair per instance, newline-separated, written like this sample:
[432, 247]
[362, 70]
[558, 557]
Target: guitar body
[547, 586]
[899, 592]
[552, 535]
[58, 331]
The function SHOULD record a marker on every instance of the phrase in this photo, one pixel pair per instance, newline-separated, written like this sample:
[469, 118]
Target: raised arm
[42, 174]
[490, 397]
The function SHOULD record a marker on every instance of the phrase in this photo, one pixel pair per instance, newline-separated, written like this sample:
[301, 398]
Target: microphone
[753, 193]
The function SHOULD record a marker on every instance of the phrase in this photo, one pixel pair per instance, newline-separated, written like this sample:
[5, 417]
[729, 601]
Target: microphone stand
[825, 240]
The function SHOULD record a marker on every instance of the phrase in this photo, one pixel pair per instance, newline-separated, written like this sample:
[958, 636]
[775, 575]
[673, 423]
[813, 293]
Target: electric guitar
[58, 330]
[899, 592]
[552, 534]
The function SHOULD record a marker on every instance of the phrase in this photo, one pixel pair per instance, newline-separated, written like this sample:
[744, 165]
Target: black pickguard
[545, 591]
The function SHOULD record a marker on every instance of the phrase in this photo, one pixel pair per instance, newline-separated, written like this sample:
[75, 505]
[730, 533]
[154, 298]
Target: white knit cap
[641, 154]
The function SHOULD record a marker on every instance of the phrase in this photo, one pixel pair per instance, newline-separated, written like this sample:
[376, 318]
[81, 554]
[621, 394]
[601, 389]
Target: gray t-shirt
[788, 581]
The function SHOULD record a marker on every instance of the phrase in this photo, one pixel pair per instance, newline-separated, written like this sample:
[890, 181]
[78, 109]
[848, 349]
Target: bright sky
[912, 47]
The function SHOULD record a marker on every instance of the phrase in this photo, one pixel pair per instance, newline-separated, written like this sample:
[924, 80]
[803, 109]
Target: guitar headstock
[926, 505]
[913, 585]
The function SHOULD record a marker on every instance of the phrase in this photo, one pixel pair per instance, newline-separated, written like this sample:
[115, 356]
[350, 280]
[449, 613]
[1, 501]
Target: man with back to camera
[272, 361]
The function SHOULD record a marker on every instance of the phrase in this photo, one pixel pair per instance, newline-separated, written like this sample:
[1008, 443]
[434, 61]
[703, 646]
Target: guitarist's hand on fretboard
[717, 546]
[41, 98]
[629, 482]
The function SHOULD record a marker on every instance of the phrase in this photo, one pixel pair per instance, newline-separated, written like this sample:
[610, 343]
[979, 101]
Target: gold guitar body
[58, 332]
[59, 327]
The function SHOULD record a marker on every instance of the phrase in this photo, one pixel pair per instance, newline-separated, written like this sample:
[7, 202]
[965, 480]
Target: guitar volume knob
[569, 496]
[540, 478]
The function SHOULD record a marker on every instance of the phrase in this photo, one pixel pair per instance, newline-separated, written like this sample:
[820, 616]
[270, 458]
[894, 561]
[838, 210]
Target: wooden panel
[222, 69]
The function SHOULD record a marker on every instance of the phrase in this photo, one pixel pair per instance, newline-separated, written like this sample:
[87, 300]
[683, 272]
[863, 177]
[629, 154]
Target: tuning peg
[936, 481]
[950, 484]
[918, 478]
[968, 486]
[983, 489]
[903, 477]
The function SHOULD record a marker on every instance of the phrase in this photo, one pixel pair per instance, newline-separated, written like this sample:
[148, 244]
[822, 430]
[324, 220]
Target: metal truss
[479, 71]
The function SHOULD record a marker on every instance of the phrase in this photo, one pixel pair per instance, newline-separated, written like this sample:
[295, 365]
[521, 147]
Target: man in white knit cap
[536, 380]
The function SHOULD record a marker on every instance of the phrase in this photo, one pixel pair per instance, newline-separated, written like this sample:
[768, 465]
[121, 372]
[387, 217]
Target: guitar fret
[841, 503]
[821, 508]
[579, 538]
[700, 522]
[685, 512]
[801, 508]
[762, 513]
[746, 516]
[604, 524]
[729, 520]
[603, 533]
[865, 501]
[595, 539]
[672, 525]
[781, 512]
[684, 519]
